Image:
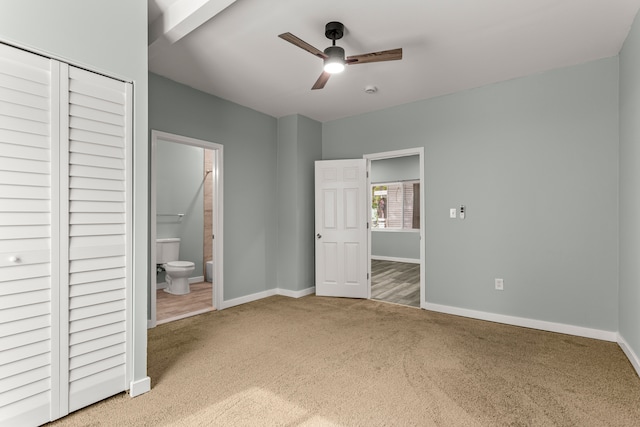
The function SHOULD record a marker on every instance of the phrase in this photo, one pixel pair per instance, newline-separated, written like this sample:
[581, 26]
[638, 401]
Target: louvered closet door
[99, 242]
[28, 216]
[65, 242]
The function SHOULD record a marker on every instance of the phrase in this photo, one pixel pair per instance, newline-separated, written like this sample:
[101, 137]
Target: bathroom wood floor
[396, 282]
[170, 307]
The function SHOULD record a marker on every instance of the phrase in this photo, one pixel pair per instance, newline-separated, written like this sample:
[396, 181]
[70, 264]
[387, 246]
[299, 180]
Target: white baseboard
[136, 388]
[266, 294]
[296, 294]
[633, 358]
[526, 323]
[395, 259]
[248, 298]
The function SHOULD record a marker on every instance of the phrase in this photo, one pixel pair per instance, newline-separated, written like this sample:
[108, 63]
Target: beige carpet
[340, 362]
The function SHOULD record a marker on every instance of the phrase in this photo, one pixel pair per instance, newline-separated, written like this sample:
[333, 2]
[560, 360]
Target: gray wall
[535, 162]
[299, 145]
[287, 194]
[110, 37]
[180, 189]
[395, 244]
[395, 169]
[250, 188]
[630, 189]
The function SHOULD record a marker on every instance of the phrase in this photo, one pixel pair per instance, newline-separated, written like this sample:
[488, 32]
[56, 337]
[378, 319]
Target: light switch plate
[452, 213]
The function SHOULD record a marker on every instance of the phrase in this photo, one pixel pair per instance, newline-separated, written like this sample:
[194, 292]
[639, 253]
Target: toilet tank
[167, 250]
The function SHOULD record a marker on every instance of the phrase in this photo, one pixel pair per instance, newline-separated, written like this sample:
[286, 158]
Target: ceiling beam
[181, 18]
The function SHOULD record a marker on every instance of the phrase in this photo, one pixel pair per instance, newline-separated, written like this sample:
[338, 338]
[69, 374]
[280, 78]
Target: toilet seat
[179, 264]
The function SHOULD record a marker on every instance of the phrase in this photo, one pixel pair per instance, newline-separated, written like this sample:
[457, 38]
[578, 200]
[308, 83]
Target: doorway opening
[186, 212]
[395, 182]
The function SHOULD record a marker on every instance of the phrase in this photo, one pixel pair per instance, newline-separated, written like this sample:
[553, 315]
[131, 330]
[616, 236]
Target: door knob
[319, 236]
[14, 259]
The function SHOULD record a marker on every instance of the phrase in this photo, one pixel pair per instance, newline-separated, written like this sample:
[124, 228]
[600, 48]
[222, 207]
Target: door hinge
[367, 225]
[367, 276]
[213, 236]
[367, 174]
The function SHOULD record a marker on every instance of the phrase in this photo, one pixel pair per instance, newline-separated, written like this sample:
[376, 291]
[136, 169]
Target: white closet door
[29, 318]
[99, 244]
[65, 242]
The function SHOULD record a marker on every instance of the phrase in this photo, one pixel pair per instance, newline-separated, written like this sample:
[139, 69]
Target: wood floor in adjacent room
[397, 282]
[170, 306]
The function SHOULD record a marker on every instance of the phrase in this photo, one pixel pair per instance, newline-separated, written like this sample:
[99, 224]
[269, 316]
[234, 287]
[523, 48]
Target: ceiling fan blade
[322, 80]
[385, 55]
[302, 44]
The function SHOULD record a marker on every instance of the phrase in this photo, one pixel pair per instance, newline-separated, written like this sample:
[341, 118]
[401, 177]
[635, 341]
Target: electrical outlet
[452, 213]
[499, 285]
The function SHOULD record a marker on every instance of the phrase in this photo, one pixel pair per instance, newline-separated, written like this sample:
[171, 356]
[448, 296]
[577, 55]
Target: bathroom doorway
[186, 203]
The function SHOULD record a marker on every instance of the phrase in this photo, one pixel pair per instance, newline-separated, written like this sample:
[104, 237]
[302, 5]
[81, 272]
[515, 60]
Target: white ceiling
[448, 45]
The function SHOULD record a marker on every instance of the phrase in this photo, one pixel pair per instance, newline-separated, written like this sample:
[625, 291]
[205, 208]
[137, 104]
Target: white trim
[419, 151]
[395, 259]
[524, 322]
[633, 358]
[59, 334]
[136, 388]
[73, 62]
[129, 260]
[395, 153]
[296, 294]
[153, 267]
[248, 298]
[63, 257]
[185, 315]
[218, 216]
[265, 294]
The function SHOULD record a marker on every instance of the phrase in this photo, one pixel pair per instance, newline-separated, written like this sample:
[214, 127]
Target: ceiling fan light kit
[334, 63]
[333, 56]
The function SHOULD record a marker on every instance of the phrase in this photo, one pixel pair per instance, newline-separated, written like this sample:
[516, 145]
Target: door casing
[419, 151]
[217, 273]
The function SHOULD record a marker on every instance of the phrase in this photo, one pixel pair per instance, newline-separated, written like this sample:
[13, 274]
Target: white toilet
[177, 272]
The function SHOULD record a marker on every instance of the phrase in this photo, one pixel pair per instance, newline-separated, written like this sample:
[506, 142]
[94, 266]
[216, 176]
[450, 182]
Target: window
[395, 205]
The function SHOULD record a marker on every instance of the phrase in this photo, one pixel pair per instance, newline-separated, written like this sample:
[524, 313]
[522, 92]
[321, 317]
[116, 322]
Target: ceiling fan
[333, 56]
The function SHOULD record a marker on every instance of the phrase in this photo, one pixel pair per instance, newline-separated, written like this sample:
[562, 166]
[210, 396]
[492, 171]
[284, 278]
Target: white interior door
[341, 228]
